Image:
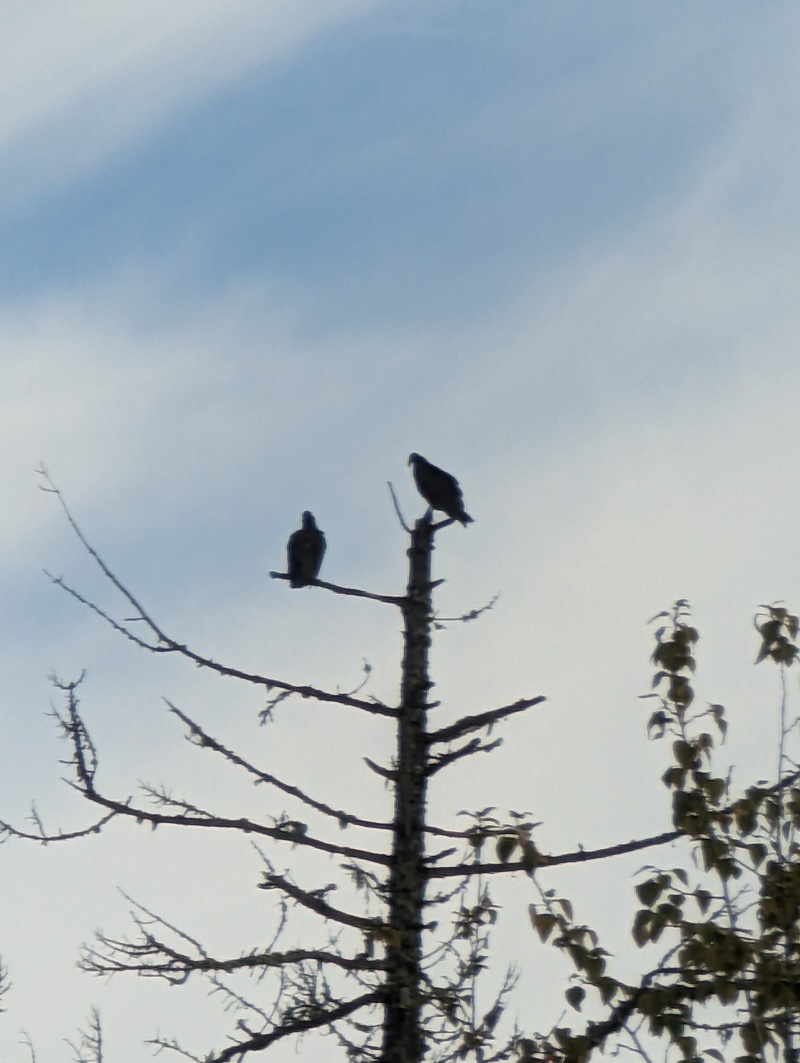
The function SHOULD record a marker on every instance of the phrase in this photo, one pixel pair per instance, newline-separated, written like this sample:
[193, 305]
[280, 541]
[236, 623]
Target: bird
[439, 489]
[305, 550]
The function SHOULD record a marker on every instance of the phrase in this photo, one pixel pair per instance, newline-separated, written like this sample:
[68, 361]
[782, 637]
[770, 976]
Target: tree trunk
[402, 1035]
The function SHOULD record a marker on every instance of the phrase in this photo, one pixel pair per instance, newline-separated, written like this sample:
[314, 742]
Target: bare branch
[90, 1048]
[581, 855]
[204, 740]
[62, 836]
[192, 817]
[291, 832]
[5, 985]
[545, 860]
[473, 614]
[484, 719]
[154, 958]
[354, 592]
[397, 507]
[315, 902]
[26, 1040]
[314, 1019]
[385, 773]
[165, 644]
[475, 745]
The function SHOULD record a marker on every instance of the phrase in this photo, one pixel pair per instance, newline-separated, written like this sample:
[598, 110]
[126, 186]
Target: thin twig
[473, 614]
[397, 507]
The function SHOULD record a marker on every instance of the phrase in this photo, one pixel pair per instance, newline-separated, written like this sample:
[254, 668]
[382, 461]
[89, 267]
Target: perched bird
[439, 489]
[305, 551]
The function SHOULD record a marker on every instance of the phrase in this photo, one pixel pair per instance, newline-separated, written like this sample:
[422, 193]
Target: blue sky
[252, 254]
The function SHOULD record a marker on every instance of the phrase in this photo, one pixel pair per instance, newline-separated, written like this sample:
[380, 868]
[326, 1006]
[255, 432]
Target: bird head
[414, 457]
[308, 520]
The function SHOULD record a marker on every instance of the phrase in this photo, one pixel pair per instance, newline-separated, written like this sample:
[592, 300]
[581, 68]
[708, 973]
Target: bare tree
[395, 979]
[382, 997]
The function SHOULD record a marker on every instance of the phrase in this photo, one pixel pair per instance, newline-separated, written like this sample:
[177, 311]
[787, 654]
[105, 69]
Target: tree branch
[154, 958]
[204, 740]
[475, 745]
[315, 902]
[317, 1018]
[473, 723]
[204, 819]
[473, 614]
[582, 855]
[292, 832]
[545, 860]
[397, 507]
[165, 644]
[354, 592]
[62, 836]
[390, 774]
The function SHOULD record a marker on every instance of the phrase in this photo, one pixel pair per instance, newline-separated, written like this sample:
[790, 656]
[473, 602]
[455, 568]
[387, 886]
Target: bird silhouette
[305, 551]
[439, 489]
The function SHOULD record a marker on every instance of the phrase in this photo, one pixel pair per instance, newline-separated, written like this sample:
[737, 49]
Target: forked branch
[84, 762]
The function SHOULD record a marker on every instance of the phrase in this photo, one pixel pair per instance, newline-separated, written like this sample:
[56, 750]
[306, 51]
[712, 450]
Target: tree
[400, 985]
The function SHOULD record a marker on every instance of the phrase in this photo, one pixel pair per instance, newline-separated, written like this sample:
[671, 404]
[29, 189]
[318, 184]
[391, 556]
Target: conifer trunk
[402, 1036]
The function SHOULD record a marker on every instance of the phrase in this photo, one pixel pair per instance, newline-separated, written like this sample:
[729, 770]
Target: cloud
[81, 80]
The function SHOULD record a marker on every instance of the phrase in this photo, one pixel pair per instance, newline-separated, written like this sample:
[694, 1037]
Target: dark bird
[305, 551]
[439, 489]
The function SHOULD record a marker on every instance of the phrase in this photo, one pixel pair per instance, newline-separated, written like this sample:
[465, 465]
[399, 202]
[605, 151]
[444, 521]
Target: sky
[252, 255]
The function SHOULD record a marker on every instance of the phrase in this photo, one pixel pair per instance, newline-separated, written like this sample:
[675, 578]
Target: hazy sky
[252, 254]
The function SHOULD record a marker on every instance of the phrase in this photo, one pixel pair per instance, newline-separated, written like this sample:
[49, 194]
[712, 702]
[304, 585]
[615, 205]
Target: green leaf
[641, 927]
[575, 996]
[715, 788]
[608, 988]
[757, 852]
[703, 898]
[649, 892]
[506, 844]
[543, 922]
[674, 778]
[658, 723]
[750, 1037]
[770, 630]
